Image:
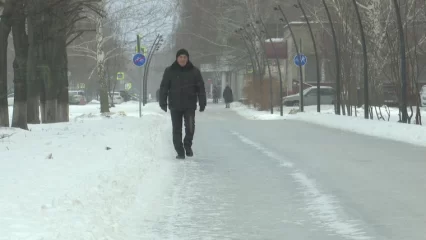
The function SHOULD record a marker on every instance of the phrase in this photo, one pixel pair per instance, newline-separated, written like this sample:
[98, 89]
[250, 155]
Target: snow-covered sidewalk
[84, 179]
[409, 133]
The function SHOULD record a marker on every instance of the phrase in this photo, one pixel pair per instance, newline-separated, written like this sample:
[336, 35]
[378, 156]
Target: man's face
[182, 60]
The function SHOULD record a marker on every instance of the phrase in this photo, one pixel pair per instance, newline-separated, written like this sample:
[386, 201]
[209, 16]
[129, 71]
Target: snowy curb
[408, 133]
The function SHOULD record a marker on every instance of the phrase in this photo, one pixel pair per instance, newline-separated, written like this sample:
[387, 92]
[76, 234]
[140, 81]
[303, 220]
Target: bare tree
[380, 27]
[110, 27]
[49, 25]
[5, 28]
[20, 42]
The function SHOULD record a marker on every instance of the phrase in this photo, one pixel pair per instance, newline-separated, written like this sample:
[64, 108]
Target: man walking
[228, 96]
[182, 86]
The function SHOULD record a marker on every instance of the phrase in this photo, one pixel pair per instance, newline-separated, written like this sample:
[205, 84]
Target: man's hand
[164, 107]
[202, 108]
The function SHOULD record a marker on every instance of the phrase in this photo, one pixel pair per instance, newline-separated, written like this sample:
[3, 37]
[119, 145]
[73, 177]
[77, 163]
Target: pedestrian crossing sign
[120, 76]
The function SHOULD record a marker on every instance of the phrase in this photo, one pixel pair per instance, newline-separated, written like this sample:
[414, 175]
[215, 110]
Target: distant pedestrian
[228, 96]
[215, 94]
[182, 86]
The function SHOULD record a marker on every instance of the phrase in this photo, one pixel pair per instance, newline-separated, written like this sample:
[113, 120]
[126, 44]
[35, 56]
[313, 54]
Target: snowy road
[292, 180]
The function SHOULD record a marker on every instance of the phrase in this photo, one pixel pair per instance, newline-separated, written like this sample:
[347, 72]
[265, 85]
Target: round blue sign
[139, 59]
[300, 60]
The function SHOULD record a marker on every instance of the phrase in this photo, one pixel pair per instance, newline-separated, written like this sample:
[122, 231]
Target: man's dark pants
[188, 115]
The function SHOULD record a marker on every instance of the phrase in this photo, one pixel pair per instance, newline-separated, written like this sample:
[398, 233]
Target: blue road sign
[300, 60]
[139, 59]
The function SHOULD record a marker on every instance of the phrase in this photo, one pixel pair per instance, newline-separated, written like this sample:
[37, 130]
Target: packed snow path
[249, 179]
[292, 180]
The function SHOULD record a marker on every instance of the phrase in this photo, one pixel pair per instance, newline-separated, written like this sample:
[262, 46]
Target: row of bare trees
[47, 34]
[234, 30]
[109, 48]
[41, 30]
[384, 41]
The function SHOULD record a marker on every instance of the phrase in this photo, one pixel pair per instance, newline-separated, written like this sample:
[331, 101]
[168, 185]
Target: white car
[10, 99]
[76, 97]
[118, 99]
[310, 97]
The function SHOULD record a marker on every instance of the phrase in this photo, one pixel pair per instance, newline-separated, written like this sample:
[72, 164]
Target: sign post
[139, 60]
[120, 76]
[300, 60]
[142, 50]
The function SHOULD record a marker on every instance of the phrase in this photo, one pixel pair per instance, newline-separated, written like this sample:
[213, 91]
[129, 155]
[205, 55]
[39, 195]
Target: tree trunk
[43, 71]
[33, 83]
[20, 42]
[5, 28]
[103, 94]
[51, 25]
[54, 69]
[57, 91]
[100, 55]
[33, 78]
[63, 104]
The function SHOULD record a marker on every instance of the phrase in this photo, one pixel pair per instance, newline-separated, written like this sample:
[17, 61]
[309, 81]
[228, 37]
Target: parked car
[76, 97]
[125, 95]
[118, 99]
[390, 98]
[10, 99]
[327, 95]
[134, 97]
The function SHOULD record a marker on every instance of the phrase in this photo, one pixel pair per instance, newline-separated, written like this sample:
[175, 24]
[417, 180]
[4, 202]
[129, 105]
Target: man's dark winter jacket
[182, 87]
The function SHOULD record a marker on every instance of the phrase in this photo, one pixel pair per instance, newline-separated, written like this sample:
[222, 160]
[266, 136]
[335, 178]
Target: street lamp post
[364, 53]
[157, 47]
[336, 52]
[403, 106]
[299, 5]
[298, 54]
[157, 40]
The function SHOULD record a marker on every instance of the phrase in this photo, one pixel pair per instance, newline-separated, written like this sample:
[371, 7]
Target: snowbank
[94, 101]
[82, 179]
[391, 129]
[253, 114]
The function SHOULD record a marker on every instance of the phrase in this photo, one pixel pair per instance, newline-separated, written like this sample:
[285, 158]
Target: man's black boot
[180, 153]
[189, 151]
